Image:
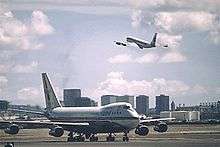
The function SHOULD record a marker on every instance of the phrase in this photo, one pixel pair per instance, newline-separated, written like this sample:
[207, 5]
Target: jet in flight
[86, 122]
[140, 43]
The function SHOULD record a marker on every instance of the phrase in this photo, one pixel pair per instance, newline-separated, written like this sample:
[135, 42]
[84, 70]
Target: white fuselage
[116, 115]
[141, 43]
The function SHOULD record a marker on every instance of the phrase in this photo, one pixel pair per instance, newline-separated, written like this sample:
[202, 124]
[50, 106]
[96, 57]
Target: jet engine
[56, 131]
[161, 127]
[142, 130]
[12, 129]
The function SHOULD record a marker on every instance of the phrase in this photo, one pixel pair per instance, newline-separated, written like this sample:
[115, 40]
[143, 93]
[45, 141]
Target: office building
[86, 102]
[142, 104]
[71, 96]
[162, 103]
[108, 99]
[126, 98]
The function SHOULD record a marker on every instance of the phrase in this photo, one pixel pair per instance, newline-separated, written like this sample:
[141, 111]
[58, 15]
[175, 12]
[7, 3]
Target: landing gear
[110, 138]
[93, 138]
[77, 138]
[125, 137]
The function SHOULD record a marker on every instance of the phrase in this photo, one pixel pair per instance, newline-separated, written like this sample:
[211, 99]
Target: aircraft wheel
[110, 138]
[126, 138]
[93, 138]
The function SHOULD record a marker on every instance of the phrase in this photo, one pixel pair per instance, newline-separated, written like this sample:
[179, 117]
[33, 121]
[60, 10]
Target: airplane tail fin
[50, 97]
[153, 42]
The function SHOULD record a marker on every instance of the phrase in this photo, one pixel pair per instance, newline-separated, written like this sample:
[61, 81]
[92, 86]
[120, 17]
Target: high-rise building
[142, 104]
[126, 98]
[71, 96]
[86, 102]
[173, 107]
[108, 99]
[162, 103]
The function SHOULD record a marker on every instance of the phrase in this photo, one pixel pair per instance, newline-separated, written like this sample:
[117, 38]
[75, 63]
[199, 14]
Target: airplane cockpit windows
[126, 107]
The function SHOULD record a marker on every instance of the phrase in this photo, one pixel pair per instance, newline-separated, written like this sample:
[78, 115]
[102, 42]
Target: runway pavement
[177, 136]
[143, 143]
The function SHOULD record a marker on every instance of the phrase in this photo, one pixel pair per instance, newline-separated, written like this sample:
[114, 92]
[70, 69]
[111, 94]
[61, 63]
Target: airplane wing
[141, 47]
[41, 124]
[154, 121]
[27, 111]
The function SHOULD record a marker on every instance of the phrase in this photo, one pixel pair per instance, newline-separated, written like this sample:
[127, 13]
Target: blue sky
[74, 43]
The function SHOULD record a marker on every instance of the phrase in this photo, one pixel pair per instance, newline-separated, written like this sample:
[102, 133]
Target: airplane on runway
[140, 43]
[86, 122]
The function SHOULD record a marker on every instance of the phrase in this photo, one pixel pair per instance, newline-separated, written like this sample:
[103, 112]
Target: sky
[73, 41]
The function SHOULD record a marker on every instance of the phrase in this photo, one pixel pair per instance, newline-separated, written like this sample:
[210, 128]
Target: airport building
[108, 99]
[142, 104]
[181, 115]
[71, 96]
[162, 103]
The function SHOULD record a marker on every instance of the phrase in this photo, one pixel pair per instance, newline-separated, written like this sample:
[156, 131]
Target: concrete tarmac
[177, 136]
[144, 143]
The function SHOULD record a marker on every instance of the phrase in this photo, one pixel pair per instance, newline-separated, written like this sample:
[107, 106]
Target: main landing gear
[93, 138]
[125, 137]
[110, 138]
[77, 138]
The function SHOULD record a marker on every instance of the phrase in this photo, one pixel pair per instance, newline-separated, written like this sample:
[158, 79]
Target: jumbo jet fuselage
[140, 43]
[116, 117]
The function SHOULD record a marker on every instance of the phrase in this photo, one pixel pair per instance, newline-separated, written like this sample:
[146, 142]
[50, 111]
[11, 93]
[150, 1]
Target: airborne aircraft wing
[140, 46]
[154, 121]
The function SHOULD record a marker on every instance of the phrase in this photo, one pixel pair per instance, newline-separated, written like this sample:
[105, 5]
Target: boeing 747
[86, 122]
[140, 43]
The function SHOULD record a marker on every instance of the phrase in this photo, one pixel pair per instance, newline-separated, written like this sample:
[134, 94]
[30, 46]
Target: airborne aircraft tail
[50, 97]
[153, 42]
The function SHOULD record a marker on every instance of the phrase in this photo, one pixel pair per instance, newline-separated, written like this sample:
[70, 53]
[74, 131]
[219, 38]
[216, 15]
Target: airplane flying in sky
[85, 122]
[140, 43]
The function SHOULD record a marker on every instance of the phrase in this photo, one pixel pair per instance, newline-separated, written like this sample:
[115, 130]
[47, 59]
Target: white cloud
[3, 81]
[150, 57]
[136, 18]
[29, 95]
[29, 68]
[172, 56]
[121, 58]
[40, 23]
[120, 86]
[22, 35]
[198, 89]
[4, 68]
[173, 41]
[176, 22]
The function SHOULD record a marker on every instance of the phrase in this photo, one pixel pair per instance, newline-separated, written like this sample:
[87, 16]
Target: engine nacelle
[56, 131]
[12, 129]
[142, 130]
[161, 127]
